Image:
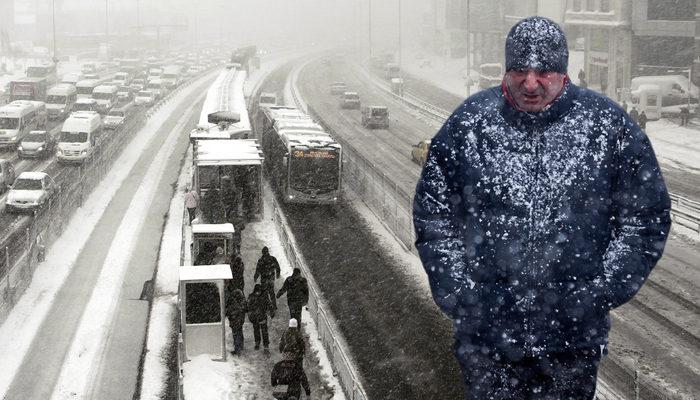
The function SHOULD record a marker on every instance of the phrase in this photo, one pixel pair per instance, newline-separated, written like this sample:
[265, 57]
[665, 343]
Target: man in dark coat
[541, 207]
[297, 290]
[685, 115]
[634, 114]
[290, 373]
[258, 308]
[236, 308]
[643, 120]
[267, 269]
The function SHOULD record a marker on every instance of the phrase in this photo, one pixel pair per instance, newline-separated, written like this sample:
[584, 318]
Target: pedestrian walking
[236, 309]
[685, 115]
[258, 308]
[634, 114]
[643, 120]
[267, 269]
[292, 345]
[624, 105]
[212, 207]
[581, 74]
[529, 237]
[297, 289]
[603, 84]
[191, 203]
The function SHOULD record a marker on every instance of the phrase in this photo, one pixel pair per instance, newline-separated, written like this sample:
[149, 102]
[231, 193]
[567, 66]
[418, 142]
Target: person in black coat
[267, 269]
[236, 309]
[292, 345]
[643, 120]
[290, 373]
[297, 289]
[634, 114]
[258, 308]
[540, 208]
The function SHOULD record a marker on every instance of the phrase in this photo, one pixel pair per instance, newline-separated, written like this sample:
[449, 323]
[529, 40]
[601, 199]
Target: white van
[60, 100]
[106, 97]
[647, 98]
[85, 87]
[79, 136]
[673, 88]
[122, 78]
[19, 118]
[157, 87]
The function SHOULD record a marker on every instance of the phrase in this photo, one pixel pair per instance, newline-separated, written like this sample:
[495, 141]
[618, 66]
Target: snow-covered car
[349, 100]
[137, 84]
[37, 144]
[144, 98]
[85, 104]
[115, 118]
[31, 190]
[124, 94]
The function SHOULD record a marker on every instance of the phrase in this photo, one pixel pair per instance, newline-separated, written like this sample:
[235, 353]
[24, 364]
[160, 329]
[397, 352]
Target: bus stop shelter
[203, 337]
[234, 162]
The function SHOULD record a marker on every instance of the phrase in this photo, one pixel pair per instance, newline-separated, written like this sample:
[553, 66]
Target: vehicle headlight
[13, 137]
[58, 152]
[83, 152]
[41, 148]
[19, 148]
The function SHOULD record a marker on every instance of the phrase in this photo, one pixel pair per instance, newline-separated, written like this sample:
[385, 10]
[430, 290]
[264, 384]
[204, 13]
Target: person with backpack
[258, 308]
[297, 289]
[292, 345]
[267, 269]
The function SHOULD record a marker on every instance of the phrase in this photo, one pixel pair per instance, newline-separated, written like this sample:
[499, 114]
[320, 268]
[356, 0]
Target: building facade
[628, 38]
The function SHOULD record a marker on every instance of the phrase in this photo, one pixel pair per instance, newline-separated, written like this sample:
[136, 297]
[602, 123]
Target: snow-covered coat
[532, 227]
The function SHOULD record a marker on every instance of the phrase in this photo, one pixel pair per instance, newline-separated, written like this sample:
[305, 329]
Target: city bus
[304, 164]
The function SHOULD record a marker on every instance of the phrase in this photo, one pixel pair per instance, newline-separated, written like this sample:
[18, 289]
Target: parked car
[419, 154]
[30, 191]
[7, 174]
[144, 98]
[350, 100]
[37, 144]
[338, 87]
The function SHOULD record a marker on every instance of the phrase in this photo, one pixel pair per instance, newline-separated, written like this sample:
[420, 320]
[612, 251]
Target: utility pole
[369, 28]
[469, 50]
[107, 27]
[400, 43]
[53, 22]
[138, 20]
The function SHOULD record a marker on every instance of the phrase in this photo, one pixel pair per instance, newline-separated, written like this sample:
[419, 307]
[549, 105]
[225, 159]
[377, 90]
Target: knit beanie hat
[293, 323]
[537, 43]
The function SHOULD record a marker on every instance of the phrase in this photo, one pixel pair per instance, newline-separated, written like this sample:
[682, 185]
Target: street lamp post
[107, 28]
[400, 49]
[369, 36]
[53, 22]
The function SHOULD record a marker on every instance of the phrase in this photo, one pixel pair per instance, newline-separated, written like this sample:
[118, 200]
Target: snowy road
[66, 322]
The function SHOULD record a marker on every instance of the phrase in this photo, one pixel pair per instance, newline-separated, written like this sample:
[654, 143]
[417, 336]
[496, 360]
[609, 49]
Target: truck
[29, 89]
[47, 71]
[172, 76]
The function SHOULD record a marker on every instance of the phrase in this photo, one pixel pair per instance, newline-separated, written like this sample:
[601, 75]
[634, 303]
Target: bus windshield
[9, 123]
[317, 170]
[85, 89]
[73, 137]
[54, 99]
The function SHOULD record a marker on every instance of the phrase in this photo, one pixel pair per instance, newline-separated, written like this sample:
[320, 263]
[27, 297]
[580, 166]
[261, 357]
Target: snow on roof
[309, 138]
[226, 94]
[212, 228]
[227, 152]
[203, 273]
[33, 175]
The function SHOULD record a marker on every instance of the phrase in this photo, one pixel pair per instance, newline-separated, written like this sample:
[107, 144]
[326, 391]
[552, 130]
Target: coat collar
[552, 112]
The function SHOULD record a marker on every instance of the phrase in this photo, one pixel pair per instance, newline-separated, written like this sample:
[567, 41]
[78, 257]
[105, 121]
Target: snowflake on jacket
[533, 226]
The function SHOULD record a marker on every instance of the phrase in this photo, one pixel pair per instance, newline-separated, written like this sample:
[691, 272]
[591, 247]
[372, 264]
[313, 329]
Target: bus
[29, 89]
[303, 163]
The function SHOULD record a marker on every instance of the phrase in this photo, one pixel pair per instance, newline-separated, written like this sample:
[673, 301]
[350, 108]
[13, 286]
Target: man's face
[533, 90]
